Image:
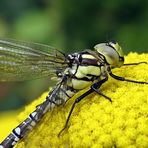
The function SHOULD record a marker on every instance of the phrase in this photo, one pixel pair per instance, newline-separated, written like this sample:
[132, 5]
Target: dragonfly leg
[124, 79]
[73, 106]
[129, 64]
[97, 85]
[100, 93]
[94, 87]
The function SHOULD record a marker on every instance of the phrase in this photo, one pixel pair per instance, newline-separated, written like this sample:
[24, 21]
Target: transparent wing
[24, 61]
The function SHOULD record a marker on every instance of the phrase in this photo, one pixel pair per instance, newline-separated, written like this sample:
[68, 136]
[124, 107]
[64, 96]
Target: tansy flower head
[96, 122]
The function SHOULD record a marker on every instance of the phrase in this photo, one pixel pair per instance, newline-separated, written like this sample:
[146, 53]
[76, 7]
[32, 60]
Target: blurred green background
[69, 26]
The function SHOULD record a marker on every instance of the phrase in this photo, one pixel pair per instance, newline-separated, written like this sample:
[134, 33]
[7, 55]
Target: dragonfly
[20, 61]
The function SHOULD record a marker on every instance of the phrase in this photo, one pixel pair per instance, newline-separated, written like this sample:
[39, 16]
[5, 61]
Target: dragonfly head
[111, 52]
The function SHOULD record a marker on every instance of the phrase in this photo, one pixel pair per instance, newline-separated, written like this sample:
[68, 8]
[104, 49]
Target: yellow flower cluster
[96, 122]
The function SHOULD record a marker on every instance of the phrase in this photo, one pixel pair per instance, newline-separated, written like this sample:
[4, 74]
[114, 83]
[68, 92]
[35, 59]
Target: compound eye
[121, 59]
[113, 41]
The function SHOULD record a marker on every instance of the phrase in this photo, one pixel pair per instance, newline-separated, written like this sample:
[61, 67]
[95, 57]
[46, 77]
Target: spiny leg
[94, 87]
[124, 79]
[100, 93]
[130, 64]
[73, 106]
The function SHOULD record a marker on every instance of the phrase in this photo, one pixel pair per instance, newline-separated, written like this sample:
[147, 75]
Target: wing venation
[24, 61]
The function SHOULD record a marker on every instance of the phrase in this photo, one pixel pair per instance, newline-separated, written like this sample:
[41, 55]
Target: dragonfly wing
[24, 61]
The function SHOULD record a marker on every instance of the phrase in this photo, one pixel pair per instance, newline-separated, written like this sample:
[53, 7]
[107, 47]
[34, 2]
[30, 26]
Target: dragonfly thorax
[84, 69]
